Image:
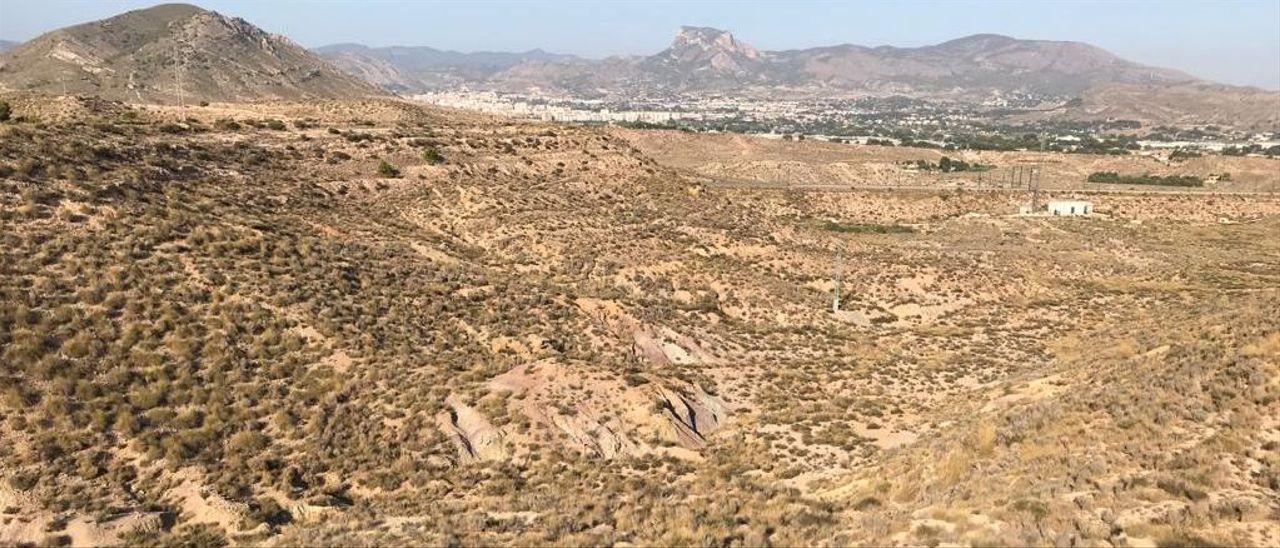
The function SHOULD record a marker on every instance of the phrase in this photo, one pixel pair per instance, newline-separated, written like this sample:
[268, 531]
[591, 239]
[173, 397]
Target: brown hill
[143, 55]
[1240, 107]
[980, 62]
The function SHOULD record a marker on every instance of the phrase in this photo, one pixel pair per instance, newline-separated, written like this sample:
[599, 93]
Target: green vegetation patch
[1111, 177]
[947, 165]
[866, 228]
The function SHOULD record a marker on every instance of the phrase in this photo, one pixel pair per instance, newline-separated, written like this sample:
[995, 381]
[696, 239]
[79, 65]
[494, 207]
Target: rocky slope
[142, 56]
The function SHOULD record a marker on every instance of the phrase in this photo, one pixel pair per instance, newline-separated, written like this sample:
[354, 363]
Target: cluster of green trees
[947, 165]
[1111, 177]
[1255, 148]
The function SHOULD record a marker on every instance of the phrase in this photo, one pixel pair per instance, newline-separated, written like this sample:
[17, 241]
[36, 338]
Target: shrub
[247, 442]
[385, 169]
[23, 481]
[432, 156]
[4, 111]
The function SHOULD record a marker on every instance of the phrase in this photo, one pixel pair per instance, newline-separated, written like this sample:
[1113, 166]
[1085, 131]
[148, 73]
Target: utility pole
[1033, 185]
[835, 300]
[177, 73]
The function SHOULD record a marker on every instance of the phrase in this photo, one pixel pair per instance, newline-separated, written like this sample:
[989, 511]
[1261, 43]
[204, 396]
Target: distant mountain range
[142, 55]
[6, 45]
[705, 59]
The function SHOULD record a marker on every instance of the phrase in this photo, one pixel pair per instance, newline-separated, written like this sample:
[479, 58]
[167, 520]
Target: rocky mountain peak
[707, 41]
[709, 50]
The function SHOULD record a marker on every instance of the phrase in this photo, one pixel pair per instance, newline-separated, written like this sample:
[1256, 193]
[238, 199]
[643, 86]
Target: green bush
[860, 228]
[385, 169]
[1111, 177]
[432, 156]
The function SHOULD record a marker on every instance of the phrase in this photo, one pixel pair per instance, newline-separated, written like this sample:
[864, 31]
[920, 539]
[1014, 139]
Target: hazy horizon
[1230, 42]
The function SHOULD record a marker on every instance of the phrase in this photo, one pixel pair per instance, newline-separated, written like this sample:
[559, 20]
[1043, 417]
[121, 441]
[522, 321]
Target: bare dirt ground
[247, 333]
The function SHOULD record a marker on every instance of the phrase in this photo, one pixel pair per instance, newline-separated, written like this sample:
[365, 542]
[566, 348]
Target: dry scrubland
[222, 325]
[734, 158]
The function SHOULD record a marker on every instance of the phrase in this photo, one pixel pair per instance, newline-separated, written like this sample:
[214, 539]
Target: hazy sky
[1233, 41]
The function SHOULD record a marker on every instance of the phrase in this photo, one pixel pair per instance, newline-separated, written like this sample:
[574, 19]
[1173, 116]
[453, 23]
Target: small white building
[1070, 207]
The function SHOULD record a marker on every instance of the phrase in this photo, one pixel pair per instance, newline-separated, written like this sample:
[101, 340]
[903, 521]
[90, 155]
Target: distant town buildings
[519, 106]
[859, 120]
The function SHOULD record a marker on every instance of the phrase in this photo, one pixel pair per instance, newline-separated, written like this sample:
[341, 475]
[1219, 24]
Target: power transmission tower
[835, 299]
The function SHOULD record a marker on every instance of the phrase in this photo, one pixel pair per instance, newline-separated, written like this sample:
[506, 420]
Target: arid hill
[155, 54]
[372, 323]
[1181, 105]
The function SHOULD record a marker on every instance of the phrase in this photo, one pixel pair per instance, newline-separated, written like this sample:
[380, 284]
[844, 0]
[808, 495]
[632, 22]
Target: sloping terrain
[237, 323]
[171, 52]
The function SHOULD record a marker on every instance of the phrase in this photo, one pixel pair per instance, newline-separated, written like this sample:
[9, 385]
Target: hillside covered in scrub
[370, 322]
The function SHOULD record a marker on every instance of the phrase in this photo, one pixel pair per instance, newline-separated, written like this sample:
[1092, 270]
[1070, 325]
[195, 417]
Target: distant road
[742, 184]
